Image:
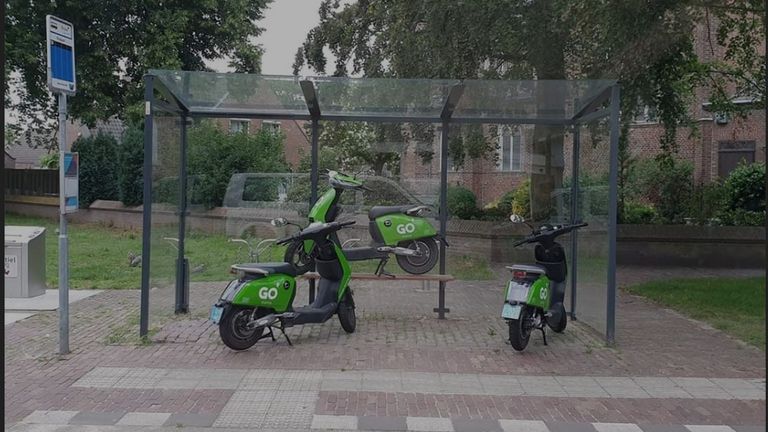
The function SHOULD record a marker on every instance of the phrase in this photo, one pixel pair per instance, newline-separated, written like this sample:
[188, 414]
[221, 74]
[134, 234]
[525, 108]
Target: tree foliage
[98, 163]
[214, 156]
[130, 167]
[116, 42]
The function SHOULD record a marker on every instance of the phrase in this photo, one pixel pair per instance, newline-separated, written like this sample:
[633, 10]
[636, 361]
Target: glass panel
[165, 199]
[592, 261]
[247, 94]
[399, 163]
[548, 100]
[259, 174]
[235, 93]
[382, 97]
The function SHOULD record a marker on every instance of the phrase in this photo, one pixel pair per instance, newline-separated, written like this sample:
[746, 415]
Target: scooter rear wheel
[419, 264]
[520, 329]
[234, 331]
[346, 312]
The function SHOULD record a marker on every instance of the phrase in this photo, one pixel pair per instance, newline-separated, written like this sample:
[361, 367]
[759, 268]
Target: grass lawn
[98, 256]
[735, 306]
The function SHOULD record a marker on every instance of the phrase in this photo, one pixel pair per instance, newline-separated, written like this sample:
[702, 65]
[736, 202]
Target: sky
[286, 24]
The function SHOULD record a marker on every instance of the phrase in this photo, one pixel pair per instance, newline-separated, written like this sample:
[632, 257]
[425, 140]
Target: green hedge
[130, 167]
[98, 166]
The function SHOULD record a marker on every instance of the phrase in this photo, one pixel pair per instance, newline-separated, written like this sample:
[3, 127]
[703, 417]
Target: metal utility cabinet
[24, 261]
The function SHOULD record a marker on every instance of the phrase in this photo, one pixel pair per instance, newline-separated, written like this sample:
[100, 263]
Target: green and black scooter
[534, 297]
[399, 230]
[261, 298]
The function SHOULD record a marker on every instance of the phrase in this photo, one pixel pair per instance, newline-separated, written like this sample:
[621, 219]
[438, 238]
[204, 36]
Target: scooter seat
[377, 211]
[267, 268]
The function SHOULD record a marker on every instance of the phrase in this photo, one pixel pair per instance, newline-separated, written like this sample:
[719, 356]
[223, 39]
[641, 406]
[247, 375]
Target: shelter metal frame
[584, 112]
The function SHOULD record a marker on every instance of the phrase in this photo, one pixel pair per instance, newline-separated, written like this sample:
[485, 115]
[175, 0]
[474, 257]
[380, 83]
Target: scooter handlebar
[555, 232]
[330, 226]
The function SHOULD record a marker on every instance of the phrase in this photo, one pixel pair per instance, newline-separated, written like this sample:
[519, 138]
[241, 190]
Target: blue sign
[61, 55]
[70, 165]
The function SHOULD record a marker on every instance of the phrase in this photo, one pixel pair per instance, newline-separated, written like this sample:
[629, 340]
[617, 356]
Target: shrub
[50, 161]
[637, 213]
[130, 167]
[706, 203]
[461, 202]
[521, 199]
[667, 184]
[741, 217]
[97, 168]
[745, 188]
[214, 156]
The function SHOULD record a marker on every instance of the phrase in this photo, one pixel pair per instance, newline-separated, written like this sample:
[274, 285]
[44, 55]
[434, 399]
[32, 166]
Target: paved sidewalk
[403, 368]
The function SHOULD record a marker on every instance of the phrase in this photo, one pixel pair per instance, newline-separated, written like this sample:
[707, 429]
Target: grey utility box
[24, 261]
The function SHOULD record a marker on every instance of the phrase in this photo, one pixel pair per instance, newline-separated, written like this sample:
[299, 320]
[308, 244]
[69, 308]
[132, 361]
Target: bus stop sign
[61, 55]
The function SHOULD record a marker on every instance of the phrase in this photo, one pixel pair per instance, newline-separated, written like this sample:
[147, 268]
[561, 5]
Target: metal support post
[147, 208]
[63, 240]
[610, 331]
[575, 215]
[441, 309]
[182, 270]
[314, 179]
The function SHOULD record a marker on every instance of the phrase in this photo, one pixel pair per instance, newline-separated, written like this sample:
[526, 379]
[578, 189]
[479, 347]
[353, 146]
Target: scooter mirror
[516, 218]
[278, 222]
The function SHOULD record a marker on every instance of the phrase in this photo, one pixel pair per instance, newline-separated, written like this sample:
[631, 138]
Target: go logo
[406, 228]
[543, 293]
[266, 293]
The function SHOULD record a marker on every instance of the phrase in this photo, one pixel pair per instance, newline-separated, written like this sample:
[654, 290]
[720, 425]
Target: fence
[35, 182]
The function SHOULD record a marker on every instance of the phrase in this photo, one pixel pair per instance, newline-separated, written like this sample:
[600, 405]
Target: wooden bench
[441, 279]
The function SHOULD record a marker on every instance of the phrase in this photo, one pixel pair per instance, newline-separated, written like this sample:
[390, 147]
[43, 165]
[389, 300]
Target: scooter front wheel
[234, 330]
[520, 329]
[561, 322]
[425, 261]
[298, 257]
[346, 312]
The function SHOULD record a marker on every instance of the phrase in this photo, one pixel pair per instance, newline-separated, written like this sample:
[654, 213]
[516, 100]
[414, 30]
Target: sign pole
[63, 240]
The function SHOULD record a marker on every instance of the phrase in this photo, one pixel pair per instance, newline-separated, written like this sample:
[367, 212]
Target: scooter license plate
[511, 312]
[216, 314]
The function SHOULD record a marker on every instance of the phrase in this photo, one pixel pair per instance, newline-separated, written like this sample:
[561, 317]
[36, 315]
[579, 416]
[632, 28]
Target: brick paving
[396, 331]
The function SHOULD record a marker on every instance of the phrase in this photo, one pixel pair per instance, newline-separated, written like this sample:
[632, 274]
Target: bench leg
[441, 309]
[311, 291]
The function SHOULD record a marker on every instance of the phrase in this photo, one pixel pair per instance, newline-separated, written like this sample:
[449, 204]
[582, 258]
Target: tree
[116, 43]
[647, 45]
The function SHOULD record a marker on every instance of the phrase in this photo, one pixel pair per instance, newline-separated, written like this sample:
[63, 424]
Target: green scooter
[261, 298]
[535, 294]
[398, 230]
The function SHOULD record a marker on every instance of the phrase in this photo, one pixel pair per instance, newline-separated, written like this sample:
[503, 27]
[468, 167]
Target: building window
[271, 126]
[510, 150]
[646, 114]
[238, 126]
[732, 153]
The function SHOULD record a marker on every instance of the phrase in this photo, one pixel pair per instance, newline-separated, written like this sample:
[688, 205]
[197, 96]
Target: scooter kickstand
[544, 335]
[282, 329]
[380, 269]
